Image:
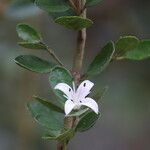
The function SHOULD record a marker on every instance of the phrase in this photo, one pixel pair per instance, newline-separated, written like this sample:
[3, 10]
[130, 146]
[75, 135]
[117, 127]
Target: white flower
[79, 97]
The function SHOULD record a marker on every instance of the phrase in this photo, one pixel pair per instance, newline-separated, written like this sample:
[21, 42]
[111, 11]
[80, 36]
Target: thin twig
[83, 9]
[69, 122]
[51, 52]
[62, 146]
[73, 6]
[78, 58]
[81, 40]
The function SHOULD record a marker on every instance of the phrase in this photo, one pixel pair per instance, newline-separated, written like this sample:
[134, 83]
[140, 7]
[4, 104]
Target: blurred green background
[125, 121]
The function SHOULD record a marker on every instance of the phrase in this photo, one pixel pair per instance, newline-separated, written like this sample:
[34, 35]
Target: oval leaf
[74, 22]
[32, 45]
[102, 60]
[126, 43]
[60, 75]
[142, 51]
[100, 94]
[55, 15]
[92, 2]
[53, 5]
[49, 104]
[34, 63]
[45, 116]
[87, 121]
[28, 33]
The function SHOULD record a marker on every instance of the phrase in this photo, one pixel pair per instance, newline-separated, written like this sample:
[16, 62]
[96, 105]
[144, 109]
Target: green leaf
[87, 121]
[100, 94]
[60, 75]
[34, 63]
[28, 33]
[49, 104]
[32, 1]
[102, 60]
[69, 12]
[47, 118]
[142, 51]
[74, 22]
[126, 43]
[92, 2]
[32, 45]
[53, 5]
[68, 134]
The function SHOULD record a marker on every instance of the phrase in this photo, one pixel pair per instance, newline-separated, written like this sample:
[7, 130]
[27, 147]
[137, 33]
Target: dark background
[125, 123]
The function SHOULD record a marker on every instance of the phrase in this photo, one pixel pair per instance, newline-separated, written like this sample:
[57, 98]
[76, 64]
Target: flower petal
[66, 89]
[84, 89]
[89, 102]
[69, 105]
